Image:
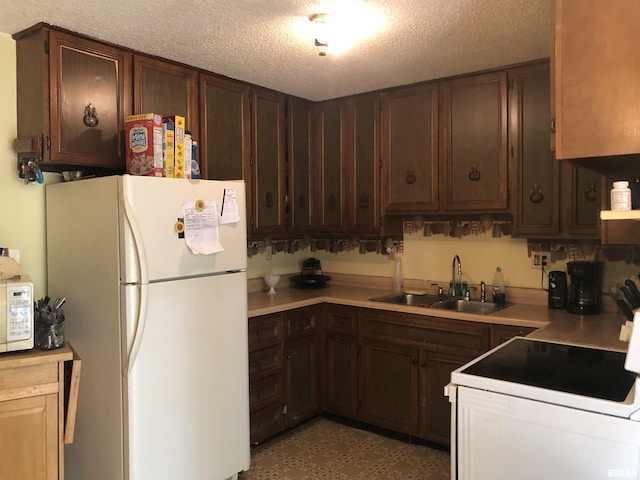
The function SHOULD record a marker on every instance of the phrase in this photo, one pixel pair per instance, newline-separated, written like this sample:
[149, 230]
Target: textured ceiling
[270, 42]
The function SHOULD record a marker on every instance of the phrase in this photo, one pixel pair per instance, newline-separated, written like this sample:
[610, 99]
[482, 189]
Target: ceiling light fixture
[321, 22]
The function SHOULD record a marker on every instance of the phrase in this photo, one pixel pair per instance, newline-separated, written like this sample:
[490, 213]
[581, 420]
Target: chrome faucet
[483, 292]
[453, 286]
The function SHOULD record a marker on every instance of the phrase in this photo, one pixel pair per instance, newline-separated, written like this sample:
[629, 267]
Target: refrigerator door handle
[137, 238]
[139, 329]
[144, 283]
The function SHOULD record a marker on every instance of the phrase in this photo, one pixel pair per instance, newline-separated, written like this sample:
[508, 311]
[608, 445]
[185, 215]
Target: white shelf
[620, 215]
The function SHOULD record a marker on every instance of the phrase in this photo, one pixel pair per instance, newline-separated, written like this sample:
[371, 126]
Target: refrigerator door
[187, 388]
[152, 248]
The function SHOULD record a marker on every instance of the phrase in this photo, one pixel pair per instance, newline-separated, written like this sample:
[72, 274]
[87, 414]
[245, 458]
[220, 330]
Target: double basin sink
[441, 303]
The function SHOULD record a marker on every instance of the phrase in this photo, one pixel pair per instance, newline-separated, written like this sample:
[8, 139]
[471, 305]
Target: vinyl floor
[327, 450]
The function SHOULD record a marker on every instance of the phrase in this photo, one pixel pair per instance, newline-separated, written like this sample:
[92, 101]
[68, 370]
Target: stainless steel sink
[469, 306]
[409, 299]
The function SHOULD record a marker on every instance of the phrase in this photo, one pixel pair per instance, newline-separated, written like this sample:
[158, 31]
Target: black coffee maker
[585, 292]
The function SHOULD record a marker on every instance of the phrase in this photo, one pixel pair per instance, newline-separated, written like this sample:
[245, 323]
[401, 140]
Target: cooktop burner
[573, 369]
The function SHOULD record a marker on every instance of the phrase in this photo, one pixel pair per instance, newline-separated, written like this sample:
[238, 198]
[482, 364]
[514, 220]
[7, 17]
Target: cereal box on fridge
[168, 148]
[179, 123]
[143, 138]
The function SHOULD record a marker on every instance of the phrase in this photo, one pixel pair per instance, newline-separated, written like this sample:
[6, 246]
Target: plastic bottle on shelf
[499, 294]
[397, 277]
[621, 196]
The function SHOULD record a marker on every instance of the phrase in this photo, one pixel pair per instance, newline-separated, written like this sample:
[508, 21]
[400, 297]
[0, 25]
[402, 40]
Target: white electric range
[532, 409]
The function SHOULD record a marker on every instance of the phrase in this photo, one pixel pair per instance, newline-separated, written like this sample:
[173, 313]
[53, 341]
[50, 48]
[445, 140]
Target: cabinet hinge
[284, 410]
[251, 160]
[46, 47]
[250, 99]
[553, 125]
[47, 142]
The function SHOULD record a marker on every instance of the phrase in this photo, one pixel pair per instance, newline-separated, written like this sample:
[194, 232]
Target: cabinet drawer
[266, 422]
[435, 334]
[264, 362]
[265, 392]
[264, 331]
[342, 320]
[29, 376]
[301, 322]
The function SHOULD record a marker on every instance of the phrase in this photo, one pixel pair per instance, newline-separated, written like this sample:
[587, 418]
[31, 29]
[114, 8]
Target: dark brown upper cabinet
[268, 144]
[73, 93]
[300, 166]
[535, 175]
[409, 150]
[225, 118]
[364, 167]
[330, 184]
[473, 143]
[166, 88]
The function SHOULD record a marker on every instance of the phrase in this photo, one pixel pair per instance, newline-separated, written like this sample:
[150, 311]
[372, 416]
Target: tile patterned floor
[325, 450]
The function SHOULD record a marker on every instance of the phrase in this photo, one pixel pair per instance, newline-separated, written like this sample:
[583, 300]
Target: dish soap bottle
[498, 287]
[397, 277]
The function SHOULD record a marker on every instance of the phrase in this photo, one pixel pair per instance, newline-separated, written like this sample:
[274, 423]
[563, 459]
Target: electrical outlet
[538, 259]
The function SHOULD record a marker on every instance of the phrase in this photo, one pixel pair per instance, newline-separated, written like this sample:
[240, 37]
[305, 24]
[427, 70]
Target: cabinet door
[364, 167]
[300, 161]
[597, 67]
[29, 438]
[88, 85]
[473, 129]
[409, 149]
[268, 160]
[436, 374]
[581, 201]
[341, 375]
[225, 140]
[389, 386]
[301, 381]
[166, 88]
[331, 167]
[535, 179]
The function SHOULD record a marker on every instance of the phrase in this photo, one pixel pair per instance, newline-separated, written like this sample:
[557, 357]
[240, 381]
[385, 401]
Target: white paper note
[229, 208]
[201, 228]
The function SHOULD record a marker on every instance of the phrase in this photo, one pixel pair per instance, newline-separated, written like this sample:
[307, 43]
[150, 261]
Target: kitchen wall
[22, 225]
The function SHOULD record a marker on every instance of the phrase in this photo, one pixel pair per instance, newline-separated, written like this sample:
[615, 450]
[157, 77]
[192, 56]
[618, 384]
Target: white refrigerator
[161, 330]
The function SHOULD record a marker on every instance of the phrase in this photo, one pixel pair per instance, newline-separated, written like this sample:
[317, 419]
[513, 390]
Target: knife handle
[624, 307]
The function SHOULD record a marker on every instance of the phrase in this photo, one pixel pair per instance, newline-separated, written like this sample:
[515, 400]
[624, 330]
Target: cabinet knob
[90, 118]
[591, 193]
[268, 200]
[535, 195]
[410, 179]
[258, 365]
[364, 201]
[474, 174]
[259, 395]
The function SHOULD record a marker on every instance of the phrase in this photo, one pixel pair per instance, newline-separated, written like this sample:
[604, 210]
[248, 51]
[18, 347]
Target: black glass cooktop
[566, 368]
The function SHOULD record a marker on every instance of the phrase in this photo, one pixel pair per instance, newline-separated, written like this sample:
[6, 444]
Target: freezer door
[149, 210]
[187, 389]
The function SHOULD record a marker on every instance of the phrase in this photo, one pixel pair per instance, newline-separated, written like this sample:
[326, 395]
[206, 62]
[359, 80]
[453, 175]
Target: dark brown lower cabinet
[383, 368]
[341, 360]
[283, 370]
[389, 386]
[301, 374]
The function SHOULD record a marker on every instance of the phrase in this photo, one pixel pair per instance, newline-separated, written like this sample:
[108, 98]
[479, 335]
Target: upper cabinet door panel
[300, 166]
[474, 142]
[597, 67]
[268, 154]
[534, 171]
[89, 99]
[365, 170]
[166, 88]
[331, 167]
[409, 149]
[225, 139]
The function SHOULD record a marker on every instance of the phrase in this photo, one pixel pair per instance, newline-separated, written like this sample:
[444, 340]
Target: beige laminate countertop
[599, 331]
